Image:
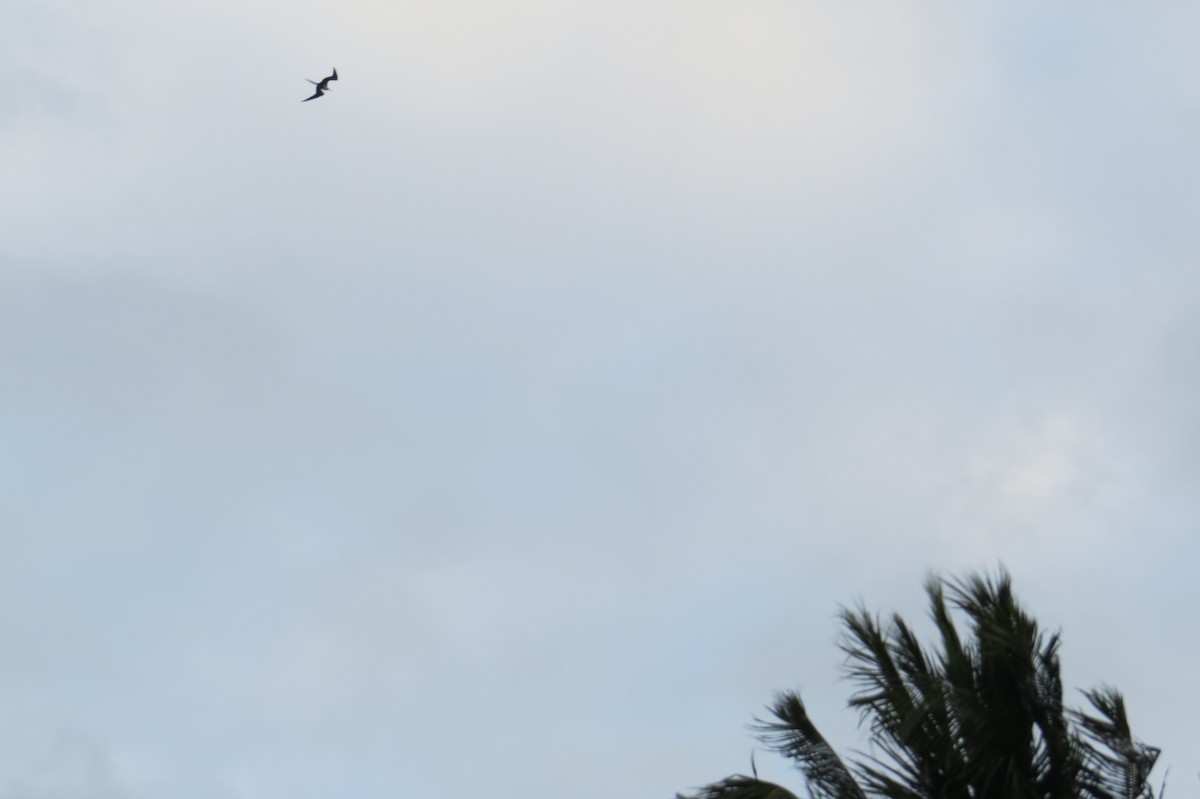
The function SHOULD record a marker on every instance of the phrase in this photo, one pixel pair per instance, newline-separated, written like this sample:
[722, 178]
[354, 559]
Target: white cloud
[1037, 467]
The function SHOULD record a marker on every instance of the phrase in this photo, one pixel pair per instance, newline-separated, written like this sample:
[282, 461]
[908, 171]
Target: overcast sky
[513, 419]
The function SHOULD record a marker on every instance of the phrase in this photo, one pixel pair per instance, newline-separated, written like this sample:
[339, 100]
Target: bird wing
[315, 96]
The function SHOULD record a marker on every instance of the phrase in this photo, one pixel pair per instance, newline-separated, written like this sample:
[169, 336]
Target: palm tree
[976, 718]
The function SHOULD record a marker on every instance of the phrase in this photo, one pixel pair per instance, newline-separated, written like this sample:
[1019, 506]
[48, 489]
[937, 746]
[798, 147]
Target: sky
[516, 417]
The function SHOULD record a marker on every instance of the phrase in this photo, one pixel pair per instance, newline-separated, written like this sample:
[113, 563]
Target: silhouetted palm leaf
[795, 736]
[1117, 766]
[979, 717]
[742, 787]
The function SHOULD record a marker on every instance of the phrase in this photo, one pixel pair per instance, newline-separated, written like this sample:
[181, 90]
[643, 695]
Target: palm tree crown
[980, 716]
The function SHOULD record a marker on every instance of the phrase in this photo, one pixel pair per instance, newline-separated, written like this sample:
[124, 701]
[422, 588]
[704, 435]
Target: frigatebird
[322, 87]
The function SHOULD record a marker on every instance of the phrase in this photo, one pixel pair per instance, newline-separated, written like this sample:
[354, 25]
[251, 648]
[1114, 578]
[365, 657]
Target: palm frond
[741, 787]
[981, 715]
[794, 735]
[903, 691]
[1117, 765]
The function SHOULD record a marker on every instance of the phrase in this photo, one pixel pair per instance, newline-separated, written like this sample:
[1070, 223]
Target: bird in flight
[322, 87]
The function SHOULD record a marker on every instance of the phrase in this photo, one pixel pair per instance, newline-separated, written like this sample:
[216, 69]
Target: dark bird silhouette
[322, 87]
